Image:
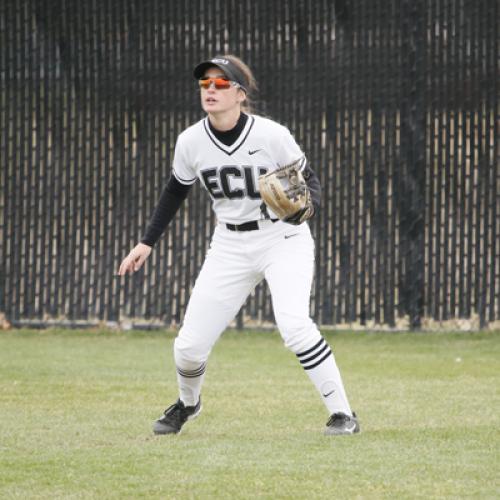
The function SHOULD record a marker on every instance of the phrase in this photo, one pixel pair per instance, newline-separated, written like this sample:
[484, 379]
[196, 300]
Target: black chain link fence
[394, 102]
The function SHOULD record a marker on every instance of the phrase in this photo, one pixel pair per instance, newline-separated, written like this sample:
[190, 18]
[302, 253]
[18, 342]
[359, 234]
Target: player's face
[217, 101]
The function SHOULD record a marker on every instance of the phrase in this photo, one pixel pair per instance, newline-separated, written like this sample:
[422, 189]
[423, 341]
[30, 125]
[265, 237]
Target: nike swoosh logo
[328, 394]
[254, 151]
[351, 428]
[290, 235]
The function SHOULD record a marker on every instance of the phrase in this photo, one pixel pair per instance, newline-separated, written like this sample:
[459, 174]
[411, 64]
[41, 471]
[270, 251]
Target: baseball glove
[286, 193]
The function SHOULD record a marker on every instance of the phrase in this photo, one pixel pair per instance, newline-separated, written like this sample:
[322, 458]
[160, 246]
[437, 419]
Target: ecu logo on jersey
[232, 181]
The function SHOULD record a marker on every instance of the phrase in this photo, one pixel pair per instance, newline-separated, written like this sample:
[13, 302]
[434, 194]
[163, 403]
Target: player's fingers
[126, 266]
[143, 252]
[139, 261]
[121, 269]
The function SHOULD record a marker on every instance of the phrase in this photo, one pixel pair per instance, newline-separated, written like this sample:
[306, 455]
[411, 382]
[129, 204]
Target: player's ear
[241, 96]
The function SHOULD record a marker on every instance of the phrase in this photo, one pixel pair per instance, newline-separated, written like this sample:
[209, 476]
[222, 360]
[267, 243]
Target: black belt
[247, 226]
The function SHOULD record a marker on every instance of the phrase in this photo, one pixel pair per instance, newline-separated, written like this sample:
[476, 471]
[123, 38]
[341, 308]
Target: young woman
[227, 151]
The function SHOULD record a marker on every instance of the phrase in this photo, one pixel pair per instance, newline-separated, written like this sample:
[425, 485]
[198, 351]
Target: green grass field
[77, 409]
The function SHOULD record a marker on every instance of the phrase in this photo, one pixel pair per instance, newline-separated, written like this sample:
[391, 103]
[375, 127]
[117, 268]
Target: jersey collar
[229, 150]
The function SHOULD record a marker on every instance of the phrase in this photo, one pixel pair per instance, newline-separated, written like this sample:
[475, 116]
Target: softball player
[227, 151]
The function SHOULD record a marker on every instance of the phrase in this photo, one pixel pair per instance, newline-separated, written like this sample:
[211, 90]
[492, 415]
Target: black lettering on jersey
[224, 173]
[250, 182]
[218, 182]
[211, 182]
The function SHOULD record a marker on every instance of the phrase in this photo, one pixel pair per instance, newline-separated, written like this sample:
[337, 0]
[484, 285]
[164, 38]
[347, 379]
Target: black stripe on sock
[192, 373]
[315, 355]
[311, 349]
[197, 371]
[318, 362]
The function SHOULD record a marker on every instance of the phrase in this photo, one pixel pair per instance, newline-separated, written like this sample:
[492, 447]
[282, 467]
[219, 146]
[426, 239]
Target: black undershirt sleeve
[172, 196]
[314, 186]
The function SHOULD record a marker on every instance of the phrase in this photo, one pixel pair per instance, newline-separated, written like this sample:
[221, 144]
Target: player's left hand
[286, 193]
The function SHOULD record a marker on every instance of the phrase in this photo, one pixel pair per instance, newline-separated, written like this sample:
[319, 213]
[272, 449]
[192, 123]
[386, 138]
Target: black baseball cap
[228, 67]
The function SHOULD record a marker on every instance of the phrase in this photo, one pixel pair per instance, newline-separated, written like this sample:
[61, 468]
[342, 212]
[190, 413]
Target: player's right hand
[135, 259]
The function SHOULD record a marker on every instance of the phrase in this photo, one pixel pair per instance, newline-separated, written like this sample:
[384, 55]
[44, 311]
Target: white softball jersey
[230, 173]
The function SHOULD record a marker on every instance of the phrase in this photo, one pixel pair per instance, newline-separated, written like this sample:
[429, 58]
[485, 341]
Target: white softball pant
[236, 262]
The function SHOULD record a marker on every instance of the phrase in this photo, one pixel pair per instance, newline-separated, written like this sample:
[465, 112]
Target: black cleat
[340, 424]
[175, 417]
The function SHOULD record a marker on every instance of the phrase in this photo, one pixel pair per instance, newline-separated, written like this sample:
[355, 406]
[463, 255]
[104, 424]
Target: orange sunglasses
[219, 83]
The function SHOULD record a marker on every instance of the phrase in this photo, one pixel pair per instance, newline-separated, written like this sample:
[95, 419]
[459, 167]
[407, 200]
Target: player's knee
[188, 354]
[298, 333]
